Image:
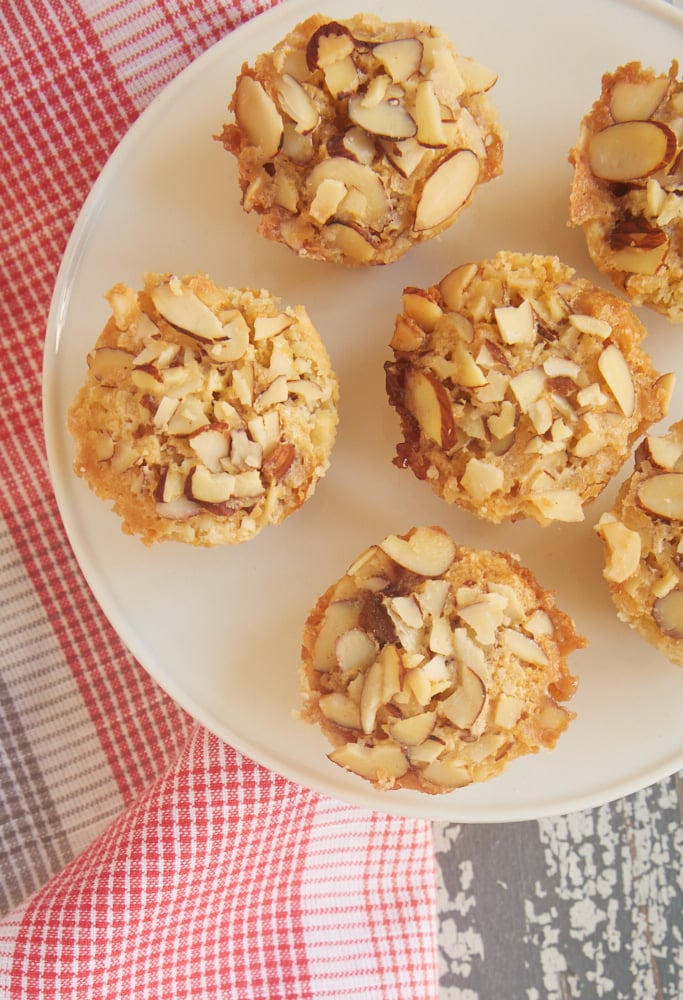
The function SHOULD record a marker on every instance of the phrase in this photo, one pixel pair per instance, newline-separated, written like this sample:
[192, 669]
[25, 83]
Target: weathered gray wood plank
[587, 905]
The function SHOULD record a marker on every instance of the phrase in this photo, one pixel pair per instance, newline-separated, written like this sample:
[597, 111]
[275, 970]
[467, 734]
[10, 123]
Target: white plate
[220, 629]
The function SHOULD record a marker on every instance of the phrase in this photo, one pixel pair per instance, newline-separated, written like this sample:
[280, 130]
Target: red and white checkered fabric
[140, 856]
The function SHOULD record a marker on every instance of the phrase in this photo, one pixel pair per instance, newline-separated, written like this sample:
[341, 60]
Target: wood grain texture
[587, 905]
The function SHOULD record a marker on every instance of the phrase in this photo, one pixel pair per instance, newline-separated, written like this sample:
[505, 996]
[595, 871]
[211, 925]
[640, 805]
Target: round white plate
[220, 629]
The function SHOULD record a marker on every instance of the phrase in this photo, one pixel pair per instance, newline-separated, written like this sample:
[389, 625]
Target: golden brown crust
[207, 414]
[520, 387]
[431, 665]
[643, 547]
[630, 203]
[338, 142]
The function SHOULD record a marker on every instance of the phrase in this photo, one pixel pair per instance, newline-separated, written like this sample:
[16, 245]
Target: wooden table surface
[586, 905]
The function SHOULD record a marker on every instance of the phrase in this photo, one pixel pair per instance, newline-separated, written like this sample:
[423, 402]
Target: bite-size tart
[430, 665]
[207, 412]
[627, 190]
[357, 139]
[521, 388]
[643, 546]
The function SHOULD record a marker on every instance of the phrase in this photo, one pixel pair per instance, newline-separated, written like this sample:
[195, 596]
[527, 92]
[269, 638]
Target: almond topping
[662, 495]
[382, 763]
[631, 150]
[622, 547]
[426, 551]
[258, 117]
[296, 103]
[466, 704]
[667, 612]
[637, 101]
[387, 119]
[447, 189]
[616, 373]
[400, 58]
[429, 402]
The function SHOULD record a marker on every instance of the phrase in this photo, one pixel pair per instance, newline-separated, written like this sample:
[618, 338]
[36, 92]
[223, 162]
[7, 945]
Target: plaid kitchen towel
[141, 856]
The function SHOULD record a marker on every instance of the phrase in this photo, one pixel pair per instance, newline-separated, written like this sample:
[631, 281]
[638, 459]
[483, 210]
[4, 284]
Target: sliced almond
[390, 659]
[430, 129]
[447, 189]
[210, 487]
[425, 551]
[188, 417]
[484, 615]
[329, 43]
[527, 387]
[638, 246]
[552, 720]
[667, 612]
[453, 285]
[421, 307]
[467, 702]
[663, 452]
[276, 392]
[432, 597]
[340, 616]
[278, 462]
[266, 327]
[591, 325]
[508, 710]
[387, 119]
[172, 484]
[244, 453]
[401, 57]
[371, 696]
[183, 309]
[408, 335]
[414, 730]
[354, 143]
[476, 77]
[481, 479]
[504, 422]
[517, 324]
[623, 548]
[296, 103]
[236, 343]
[341, 77]
[405, 155]
[662, 495]
[523, 647]
[558, 505]
[328, 197]
[258, 117]
[210, 444]
[109, 364]
[637, 100]
[444, 72]
[539, 623]
[123, 302]
[295, 145]
[631, 150]
[447, 772]
[340, 709]
[351, 240]
[429, 402]
[408, 610]
[465, 368]
[640, 259]
[615, 370]
[382, 763]
[354, 175]
[355, 650]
